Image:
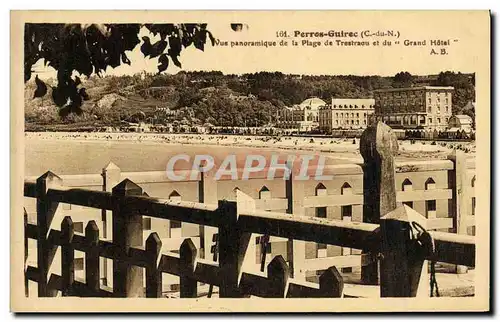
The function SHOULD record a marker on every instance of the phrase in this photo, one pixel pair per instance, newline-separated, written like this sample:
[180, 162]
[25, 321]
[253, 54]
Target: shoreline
[342, 148]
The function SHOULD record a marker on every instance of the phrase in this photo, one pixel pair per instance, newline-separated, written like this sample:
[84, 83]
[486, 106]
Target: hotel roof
[418, 88]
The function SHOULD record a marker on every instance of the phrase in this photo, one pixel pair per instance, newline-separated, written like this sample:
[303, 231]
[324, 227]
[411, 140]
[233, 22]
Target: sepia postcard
[250, 161]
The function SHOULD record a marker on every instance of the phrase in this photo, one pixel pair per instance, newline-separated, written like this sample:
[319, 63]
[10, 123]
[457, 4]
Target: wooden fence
[235, 222]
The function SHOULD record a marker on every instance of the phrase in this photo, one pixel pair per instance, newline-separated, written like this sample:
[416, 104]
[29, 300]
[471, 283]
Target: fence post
[111, 177]
[92, 267]
[232, 248]
[331, 283]
[296, 249]
[402, 262]
[457, 180]
[277, 273]
[26, 281]
[189, 286]
[207, 193]
[45, 210]
[127, 232]
[378, 145]
[153, 275]
[67, 256]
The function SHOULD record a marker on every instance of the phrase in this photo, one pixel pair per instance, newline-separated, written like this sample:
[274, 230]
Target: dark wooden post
[111, 177]
[278, 274]
[26, 281]
[92, 264]
[402, 260]
[458, 203]
[189, 286]
[153, 275]
[45, 210]
[378, 145]
[232, 247]
[127, 233]
[207, 193]
[331, 283]
[67, 256]
[296, 251]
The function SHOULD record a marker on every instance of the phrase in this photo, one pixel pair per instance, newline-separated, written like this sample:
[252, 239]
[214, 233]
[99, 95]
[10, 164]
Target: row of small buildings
[414, 108]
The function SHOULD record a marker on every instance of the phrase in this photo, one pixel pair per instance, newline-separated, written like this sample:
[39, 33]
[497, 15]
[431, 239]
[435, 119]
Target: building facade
[346, 113]
[303, 117]
[460, 122]
[425, 108]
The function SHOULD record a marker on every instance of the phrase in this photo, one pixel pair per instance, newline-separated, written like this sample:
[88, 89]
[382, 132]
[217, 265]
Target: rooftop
[418, 88]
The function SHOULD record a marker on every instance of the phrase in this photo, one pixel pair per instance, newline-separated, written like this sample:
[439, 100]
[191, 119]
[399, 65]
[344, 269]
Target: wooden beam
[332, 200]
[326, 231]
[421, 195]
[455, 249]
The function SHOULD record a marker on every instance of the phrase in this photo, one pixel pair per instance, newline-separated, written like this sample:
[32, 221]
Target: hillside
[239, 100]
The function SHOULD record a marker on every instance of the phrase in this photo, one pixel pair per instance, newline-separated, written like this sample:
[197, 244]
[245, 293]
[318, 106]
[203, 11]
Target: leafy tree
[403, 79]
[91, 49]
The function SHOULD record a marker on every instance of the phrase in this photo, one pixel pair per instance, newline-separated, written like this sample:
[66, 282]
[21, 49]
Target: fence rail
[385, 238]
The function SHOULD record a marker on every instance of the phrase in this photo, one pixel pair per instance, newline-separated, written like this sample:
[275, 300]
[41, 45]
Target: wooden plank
[127, 233]
[77, 180]
[420, 195]
[233, 243]
[92, 263]
[46, 209]
[439, 223]
[271, 204]
[378, 146]
[332, 200]
[338, 261]
[82, 197]
[400, 266]
[320, 230]
[153, 274]
[159, 176]
[67, 257]
[185, 211]
[420, 166]
[187, 257]
[455, 249]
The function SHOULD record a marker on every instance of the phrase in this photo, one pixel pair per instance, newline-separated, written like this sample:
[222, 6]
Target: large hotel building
[346, 113]
[425, 108]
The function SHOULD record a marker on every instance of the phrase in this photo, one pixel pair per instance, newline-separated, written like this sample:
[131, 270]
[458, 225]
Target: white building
[303, 117]
[346, 113]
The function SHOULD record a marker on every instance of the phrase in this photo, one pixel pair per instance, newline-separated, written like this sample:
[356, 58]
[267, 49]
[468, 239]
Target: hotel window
[446, 109]
[439, 120]
[357, 122]
[430, 121]
[341, 115]
[357, 114]
[352, 122]
[350, 106]
[429, 109]
[337, 122]
[352, 114]
[364, 122]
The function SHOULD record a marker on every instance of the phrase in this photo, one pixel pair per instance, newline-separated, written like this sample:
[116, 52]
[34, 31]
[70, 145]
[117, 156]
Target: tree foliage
[93, 48]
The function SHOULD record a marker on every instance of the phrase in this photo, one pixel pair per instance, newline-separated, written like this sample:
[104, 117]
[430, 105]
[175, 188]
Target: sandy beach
[342, 148]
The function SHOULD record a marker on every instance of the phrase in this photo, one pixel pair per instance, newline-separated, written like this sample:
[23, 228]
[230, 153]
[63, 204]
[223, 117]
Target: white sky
[329, 60]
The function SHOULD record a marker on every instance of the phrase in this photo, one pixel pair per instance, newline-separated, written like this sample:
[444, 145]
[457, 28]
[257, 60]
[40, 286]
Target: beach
[151, 151]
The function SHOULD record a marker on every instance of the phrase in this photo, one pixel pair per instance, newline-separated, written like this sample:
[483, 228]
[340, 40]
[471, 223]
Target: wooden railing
[387, 239]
